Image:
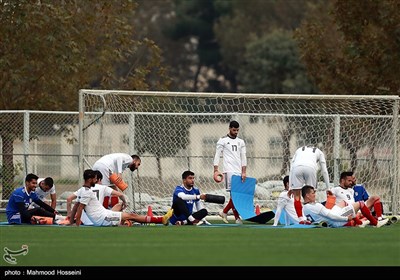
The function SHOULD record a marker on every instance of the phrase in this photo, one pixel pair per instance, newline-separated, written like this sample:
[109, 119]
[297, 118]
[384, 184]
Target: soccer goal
[176, 131]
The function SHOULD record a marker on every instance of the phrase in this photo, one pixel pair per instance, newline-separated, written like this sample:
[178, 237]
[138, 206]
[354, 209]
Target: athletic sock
[299, 208]
[228, 206]
[235, 213]
[378, 208]
[357, 220]
[191, 218]
[154, 219]
[365, 211]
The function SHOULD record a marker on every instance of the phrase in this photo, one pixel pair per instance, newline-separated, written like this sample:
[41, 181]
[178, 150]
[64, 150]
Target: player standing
[233, 150]
[303, 171]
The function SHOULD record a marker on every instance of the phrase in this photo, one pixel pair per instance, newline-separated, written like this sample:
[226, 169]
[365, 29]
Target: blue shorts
[14, 219]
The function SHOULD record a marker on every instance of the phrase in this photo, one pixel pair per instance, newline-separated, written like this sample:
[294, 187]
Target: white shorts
[302, 175]
[228, 180]
[345, 211]
[112, 218]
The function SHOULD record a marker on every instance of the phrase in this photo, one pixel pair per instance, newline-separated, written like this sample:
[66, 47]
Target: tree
[272, 64]
[51, 49]
[193, 27]
[252, 20]
[353, 47]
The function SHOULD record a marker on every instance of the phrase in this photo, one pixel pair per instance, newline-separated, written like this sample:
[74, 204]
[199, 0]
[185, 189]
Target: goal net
[177, 131]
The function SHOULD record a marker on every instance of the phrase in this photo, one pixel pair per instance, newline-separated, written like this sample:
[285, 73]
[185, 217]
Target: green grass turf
[202, 246]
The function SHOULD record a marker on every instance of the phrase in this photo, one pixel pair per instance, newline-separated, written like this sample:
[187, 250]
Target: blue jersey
[18, 196]
[189, 203]
[360, 193]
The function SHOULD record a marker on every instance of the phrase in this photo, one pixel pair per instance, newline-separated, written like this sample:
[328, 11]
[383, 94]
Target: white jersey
[342, 194]
[101, 192]
[286, 203]
[112, 163]
[95, 211]
[335, 217]
[233, 151]
[42, 194]
[304, 167]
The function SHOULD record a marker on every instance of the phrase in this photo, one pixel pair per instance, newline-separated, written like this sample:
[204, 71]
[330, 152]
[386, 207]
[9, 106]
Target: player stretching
[337, 216]
[100, 216]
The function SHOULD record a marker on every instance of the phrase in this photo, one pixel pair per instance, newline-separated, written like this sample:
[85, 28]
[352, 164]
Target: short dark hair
[285, 180]
[49, 182]
[136, 157]
[187, 173]
[29, 177]
[305, 190]
[234, 124]
[88, 174]
[345, 174]
[99, 175]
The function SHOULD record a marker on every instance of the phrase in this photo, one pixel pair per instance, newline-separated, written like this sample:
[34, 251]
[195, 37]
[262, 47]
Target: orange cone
[149, 211]
[258, 212]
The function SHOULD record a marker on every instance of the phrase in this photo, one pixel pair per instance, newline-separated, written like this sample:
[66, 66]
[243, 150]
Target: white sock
[59, 217]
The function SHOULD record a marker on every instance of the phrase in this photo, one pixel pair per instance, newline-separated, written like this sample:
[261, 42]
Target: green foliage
[353, 47]
[51, 49]
[251, 22]
[271, 64]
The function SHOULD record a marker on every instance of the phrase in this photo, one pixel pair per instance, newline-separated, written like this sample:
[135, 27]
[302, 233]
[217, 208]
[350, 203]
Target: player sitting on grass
[184, 197]
[373, 202]
[17, 208]
[101, 191]
[337, 216]
[286, 204]
[100, 216]
[344, 195]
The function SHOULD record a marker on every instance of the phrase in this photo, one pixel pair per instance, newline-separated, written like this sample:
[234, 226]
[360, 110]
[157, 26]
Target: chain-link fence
[46, 143]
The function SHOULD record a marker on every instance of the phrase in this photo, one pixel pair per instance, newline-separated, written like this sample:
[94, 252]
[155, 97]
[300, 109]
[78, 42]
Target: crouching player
[337, 216]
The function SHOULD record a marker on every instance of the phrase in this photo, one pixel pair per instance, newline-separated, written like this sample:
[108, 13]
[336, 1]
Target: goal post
[176, 131]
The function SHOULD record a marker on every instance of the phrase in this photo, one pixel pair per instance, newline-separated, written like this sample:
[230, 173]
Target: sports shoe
[323, 224]
[382, 223]
[239, 221]
[224, 217]
[206, 222]
[179, 223]
[198, 223]
[167, 216]
[305, 222]
[364, 223]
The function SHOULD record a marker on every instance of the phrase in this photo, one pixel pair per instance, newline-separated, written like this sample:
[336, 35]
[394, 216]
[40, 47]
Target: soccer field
[246, 245]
